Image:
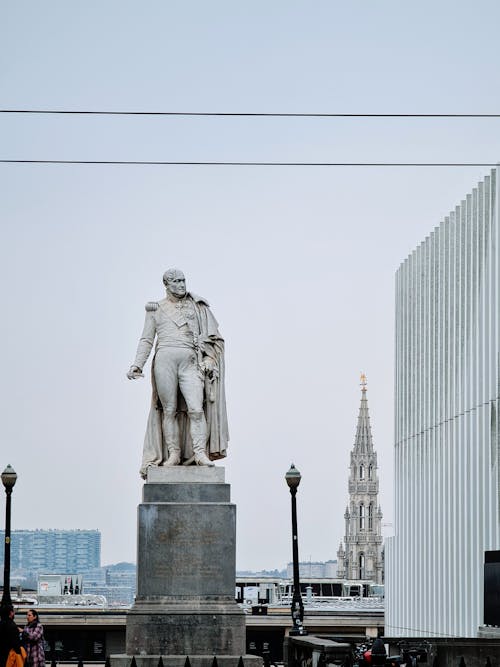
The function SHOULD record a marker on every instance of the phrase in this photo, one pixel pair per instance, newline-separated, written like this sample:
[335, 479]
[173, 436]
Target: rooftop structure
[318, 569]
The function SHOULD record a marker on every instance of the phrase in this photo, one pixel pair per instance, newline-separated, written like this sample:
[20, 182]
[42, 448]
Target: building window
[370, 471]
[361, 472]
[362, 516]
[370, 516]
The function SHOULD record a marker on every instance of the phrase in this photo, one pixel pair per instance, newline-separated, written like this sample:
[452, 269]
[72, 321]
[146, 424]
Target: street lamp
[293, 478]
[9, 478]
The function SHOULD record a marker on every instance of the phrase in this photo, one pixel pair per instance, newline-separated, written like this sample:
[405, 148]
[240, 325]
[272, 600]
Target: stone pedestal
[186, 570]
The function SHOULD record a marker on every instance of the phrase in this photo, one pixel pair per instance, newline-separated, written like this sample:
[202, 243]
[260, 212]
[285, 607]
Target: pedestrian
[9, 635]
[32, 637]
[379, 653]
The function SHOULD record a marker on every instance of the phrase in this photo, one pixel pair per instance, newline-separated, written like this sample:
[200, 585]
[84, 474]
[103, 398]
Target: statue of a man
[187, 422]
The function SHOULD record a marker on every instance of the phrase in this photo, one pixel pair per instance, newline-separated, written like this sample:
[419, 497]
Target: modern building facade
[58, 551]
[447, 412]
[361, 554]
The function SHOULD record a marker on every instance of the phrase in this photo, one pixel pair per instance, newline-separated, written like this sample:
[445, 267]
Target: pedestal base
[211, 627]
[186, 572]
[180, 660]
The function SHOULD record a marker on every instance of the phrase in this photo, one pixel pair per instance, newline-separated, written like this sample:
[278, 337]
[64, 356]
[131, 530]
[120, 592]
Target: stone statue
[187, 422]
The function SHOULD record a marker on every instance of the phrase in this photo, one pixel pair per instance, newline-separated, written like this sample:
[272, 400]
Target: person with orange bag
[11, 651]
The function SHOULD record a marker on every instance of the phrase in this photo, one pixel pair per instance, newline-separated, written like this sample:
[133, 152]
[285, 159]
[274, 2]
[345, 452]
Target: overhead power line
[84, 112]
[254, 164]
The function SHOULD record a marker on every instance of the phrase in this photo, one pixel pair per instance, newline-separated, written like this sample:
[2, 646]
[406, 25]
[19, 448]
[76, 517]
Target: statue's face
[176, 285]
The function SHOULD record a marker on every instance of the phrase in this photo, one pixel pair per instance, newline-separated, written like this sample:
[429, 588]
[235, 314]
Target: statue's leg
[192, 386]
[198, 429]
[166, 386]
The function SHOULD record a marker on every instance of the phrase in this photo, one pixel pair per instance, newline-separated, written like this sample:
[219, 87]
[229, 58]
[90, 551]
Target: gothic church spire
[362, 555]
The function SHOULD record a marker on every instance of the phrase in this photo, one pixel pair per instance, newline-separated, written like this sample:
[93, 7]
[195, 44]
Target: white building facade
[447, 412]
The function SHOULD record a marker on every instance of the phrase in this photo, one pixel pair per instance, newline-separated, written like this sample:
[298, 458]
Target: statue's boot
[171, 432]
[201, 459]
[198, 429]
[174, 457]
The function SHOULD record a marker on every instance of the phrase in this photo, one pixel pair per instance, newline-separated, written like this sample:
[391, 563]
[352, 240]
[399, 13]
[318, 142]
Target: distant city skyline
[53, 550]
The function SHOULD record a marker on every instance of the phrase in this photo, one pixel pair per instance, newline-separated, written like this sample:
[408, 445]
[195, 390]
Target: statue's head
[175, 282]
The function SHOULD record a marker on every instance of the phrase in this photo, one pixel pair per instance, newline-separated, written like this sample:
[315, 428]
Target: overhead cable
[199, 163]
[84, 112]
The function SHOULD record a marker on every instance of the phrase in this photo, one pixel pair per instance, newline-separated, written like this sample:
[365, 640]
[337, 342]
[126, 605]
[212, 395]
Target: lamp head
[9, 477]
[293, 477]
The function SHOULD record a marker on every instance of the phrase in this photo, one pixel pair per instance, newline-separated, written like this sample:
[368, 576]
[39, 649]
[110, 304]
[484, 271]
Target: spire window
[361, 472]
[362, 516]
[361, 566]
[370, 516]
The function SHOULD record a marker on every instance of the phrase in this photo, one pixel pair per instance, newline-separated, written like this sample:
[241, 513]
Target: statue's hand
[210, 367]
[134, 373]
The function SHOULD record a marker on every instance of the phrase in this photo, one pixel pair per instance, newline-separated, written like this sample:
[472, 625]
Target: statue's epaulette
[199, 299]
[152, 306]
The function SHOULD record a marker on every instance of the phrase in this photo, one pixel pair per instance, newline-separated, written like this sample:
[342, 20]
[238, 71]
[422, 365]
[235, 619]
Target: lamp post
[9, 478]
[293, 478]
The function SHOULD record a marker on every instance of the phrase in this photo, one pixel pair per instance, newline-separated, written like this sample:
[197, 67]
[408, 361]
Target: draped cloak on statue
[210, 344]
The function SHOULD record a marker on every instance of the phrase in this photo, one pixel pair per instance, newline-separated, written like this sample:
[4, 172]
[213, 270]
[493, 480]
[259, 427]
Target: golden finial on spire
[363, 382]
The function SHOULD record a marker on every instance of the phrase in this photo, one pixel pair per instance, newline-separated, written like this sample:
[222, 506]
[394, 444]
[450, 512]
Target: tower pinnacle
[363, 442]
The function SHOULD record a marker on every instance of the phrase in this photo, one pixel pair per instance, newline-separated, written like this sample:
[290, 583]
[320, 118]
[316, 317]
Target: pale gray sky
[298, 263]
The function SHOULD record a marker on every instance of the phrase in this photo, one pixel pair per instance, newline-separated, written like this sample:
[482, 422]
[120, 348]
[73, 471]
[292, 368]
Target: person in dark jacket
[33, 640]
[378, 652]
[9, 633]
